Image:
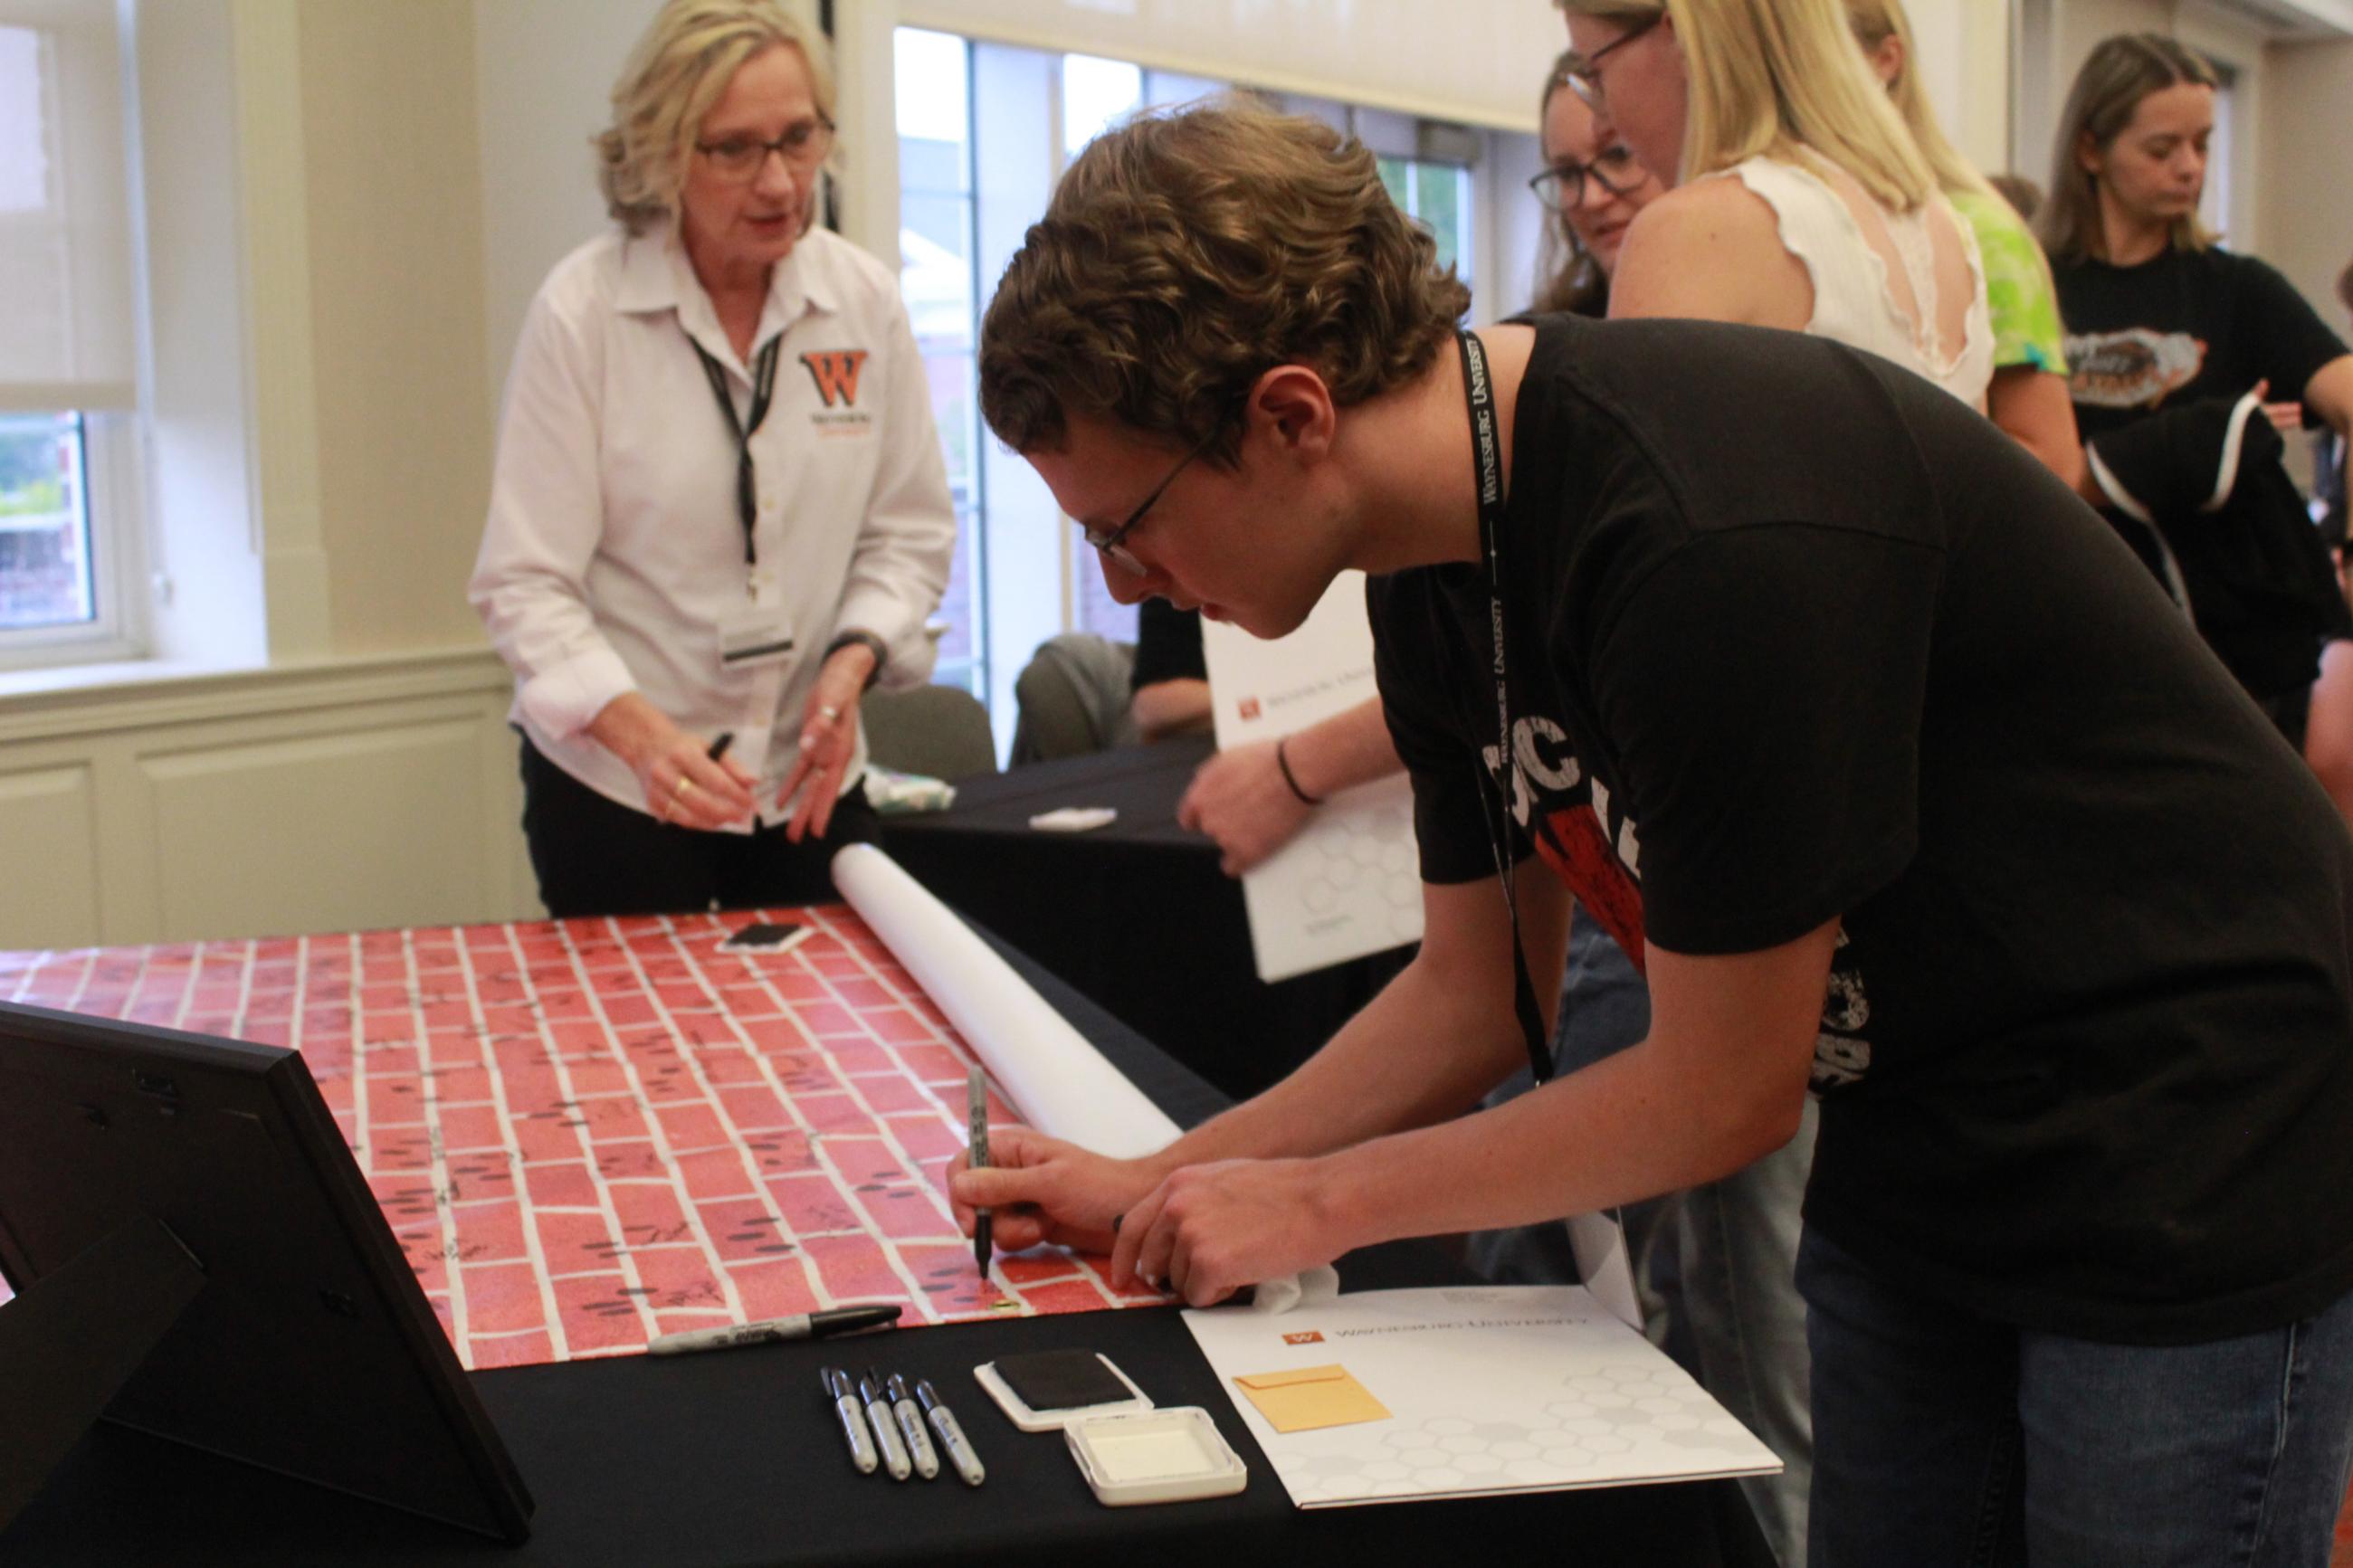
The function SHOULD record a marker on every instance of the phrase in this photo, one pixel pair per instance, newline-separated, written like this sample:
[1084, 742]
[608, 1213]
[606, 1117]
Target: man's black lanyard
[764, 386]
[1487, 474]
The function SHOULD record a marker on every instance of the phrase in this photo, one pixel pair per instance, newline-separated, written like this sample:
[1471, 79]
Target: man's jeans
[1941, 1438]
[1731, 1246]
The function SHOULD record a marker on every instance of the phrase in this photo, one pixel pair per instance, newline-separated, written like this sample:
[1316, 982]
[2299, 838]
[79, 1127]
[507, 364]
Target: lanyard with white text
[764, 386]
[1487, 474]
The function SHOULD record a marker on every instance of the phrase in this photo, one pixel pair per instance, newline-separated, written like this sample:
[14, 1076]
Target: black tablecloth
[731, 1459]
[1136, 916]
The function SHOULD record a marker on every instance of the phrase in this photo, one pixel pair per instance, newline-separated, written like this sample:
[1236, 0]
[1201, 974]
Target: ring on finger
[684, 784]
[828, 712]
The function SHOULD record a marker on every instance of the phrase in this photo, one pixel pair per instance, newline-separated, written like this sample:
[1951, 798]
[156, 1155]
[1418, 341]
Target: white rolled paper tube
[1058, 1081]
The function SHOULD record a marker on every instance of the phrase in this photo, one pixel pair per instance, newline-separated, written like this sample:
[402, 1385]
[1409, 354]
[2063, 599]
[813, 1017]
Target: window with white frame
[67, 386]
[985, 130]
[1437, 196]
[935, 277]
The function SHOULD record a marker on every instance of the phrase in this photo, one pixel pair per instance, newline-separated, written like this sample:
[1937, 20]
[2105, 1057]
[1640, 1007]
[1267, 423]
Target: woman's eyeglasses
[1613, 168]
[1583, 72]
[803, 147]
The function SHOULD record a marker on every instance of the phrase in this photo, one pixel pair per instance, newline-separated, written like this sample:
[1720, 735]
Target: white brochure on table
[1350, 882]
[1488, 1388]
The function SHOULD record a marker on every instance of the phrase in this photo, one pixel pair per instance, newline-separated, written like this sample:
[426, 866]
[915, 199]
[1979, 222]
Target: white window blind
[66, 336]
[1475, 62]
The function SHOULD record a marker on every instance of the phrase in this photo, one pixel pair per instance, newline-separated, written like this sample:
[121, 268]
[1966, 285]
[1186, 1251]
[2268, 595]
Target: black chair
[939, 731]
[1072, 698]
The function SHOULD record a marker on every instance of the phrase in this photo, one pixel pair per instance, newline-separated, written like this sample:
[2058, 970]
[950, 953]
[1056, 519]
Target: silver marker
[853, 1423]
[960, 1454]
[911, 1426]
[886, 1434]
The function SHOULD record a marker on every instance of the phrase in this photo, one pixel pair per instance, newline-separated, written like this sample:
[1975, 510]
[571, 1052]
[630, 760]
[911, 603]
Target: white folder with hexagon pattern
[1482, 1389]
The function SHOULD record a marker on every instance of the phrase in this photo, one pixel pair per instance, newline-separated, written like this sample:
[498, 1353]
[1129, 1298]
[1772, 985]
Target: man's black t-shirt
[2187, 325]
[1793, 636]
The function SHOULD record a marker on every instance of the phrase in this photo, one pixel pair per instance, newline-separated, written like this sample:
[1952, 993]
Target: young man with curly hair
[1904, 780]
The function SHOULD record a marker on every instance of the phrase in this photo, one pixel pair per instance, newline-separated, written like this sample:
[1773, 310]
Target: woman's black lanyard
[764, 386]
[1487, 475]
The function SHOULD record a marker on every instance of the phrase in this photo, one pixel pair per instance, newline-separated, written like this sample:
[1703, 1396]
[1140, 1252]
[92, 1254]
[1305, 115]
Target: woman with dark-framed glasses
[720, 513]
[1591, 187]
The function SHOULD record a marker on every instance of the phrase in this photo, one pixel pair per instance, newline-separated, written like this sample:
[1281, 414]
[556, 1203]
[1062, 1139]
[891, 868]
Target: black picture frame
[196, 1255]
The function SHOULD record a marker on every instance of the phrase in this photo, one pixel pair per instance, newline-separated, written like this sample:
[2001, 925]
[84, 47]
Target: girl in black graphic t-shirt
[2168, 333]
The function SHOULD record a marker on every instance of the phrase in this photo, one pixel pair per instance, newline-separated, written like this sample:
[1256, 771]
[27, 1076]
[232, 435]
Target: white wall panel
[2308, 223]
[330, 832]
[48, 847]
[363, 794]
[1961, 49]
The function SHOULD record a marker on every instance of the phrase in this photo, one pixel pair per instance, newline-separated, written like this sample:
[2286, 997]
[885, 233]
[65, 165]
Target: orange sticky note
[1310, 1397]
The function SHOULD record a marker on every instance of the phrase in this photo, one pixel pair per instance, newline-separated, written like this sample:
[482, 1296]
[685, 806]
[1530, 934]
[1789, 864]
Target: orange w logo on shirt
[835, 373]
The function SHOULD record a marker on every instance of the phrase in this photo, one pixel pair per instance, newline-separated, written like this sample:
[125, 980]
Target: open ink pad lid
[1176, 1455]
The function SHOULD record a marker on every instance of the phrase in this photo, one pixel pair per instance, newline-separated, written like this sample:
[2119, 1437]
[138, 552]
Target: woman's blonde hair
[1187, 252]
[1771, 76]
[1874, 22]
[2118, 73]
[671, 79]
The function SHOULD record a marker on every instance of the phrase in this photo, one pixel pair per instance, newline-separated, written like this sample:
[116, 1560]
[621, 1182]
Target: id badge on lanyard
[760, 630]
[753, 634]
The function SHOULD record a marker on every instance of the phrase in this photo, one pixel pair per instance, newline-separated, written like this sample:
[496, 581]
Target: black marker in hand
[977, 1108]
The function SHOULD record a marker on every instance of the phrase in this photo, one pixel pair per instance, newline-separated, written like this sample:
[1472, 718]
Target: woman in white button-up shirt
[652, 590]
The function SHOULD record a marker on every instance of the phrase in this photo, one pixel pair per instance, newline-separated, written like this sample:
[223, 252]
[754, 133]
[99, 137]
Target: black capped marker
[911, 1426]
[886, 1430]
[952, 1438]
[853, 1420]
[976, 1117]
[801, 1326]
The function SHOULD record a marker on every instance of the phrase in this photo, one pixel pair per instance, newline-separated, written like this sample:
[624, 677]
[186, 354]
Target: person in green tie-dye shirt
[2019, 293]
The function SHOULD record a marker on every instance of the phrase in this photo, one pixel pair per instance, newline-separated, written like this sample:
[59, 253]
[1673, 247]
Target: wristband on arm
[1284, 763]
[868, 641]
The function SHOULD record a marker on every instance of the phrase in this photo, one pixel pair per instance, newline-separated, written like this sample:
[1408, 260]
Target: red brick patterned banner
[586, 1133]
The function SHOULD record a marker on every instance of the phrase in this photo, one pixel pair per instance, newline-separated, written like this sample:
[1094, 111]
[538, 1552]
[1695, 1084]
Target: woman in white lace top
[1800, 201]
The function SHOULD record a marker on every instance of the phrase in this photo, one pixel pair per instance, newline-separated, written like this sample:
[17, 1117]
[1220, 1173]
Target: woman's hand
[1208, 1230]
[681, 784]
[2287, 418]
[829, 739]
[1041, 1189]
[1238, 798]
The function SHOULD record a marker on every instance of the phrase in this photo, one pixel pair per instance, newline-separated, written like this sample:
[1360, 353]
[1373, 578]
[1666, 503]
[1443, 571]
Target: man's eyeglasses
[1583, 73]
[803, 147]
[1114, 545]
[1613, 168]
